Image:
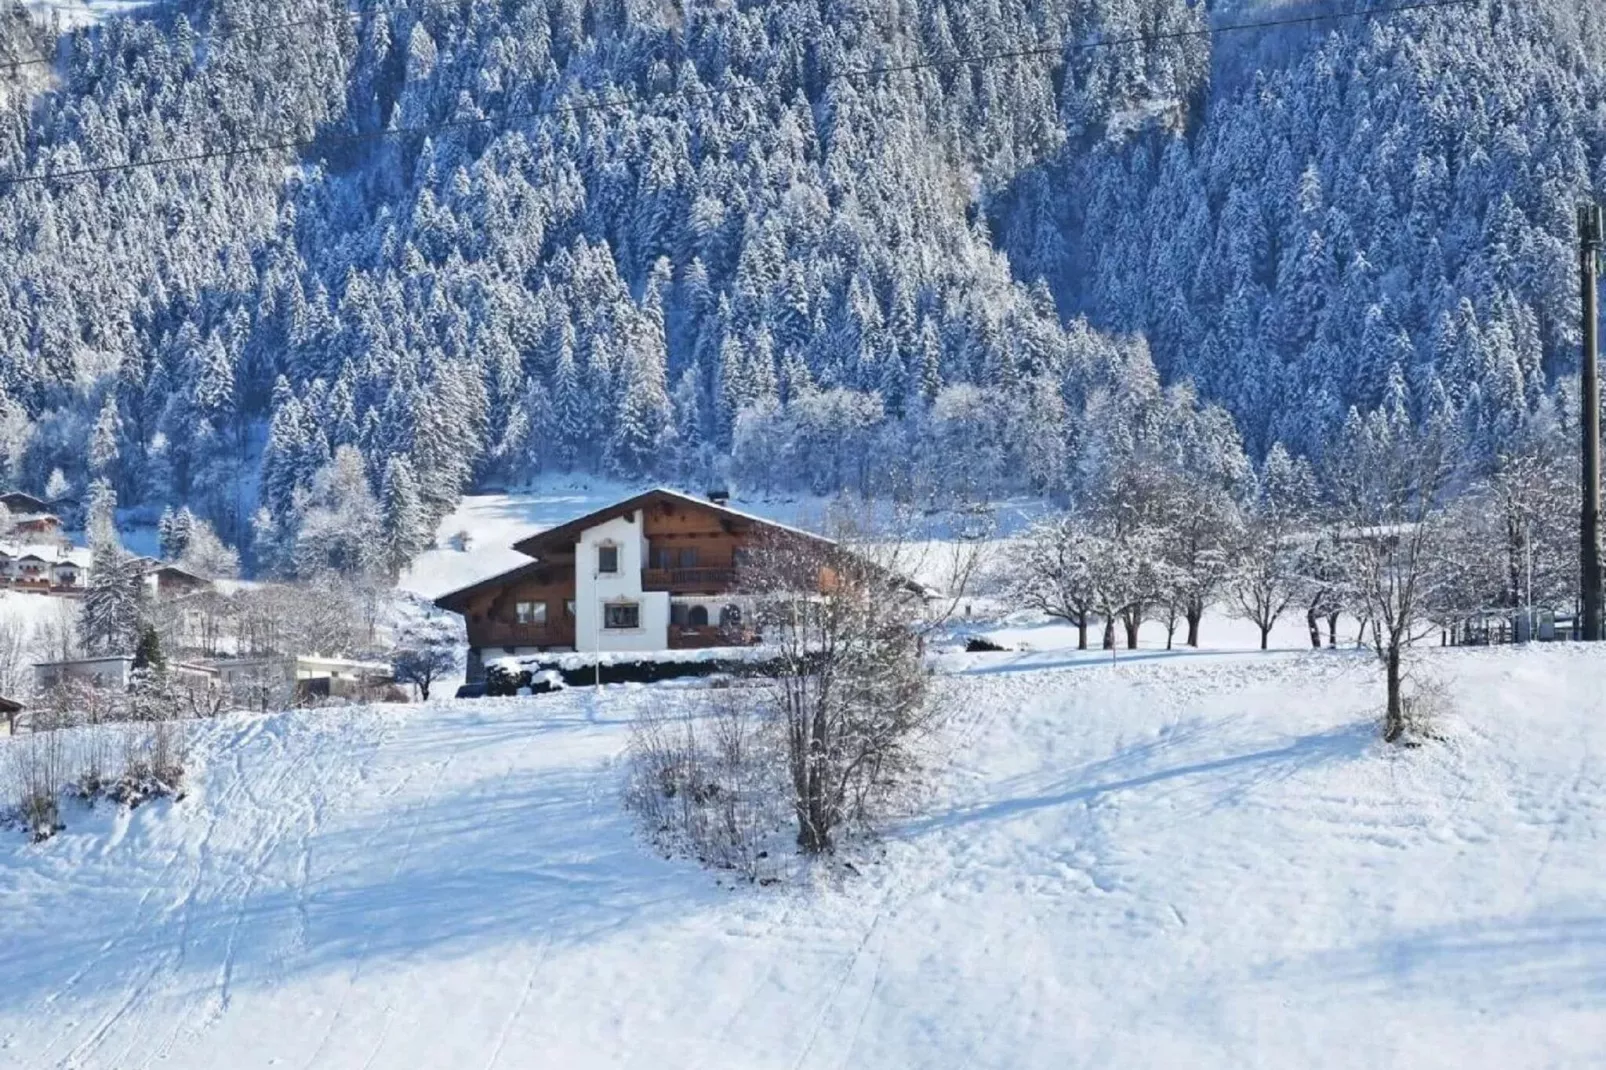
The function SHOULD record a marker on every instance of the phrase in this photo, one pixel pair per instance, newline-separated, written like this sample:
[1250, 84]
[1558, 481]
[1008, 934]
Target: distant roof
[48, 552]
[9, 705]
[21, 502]
[173, 570]
[567, 533]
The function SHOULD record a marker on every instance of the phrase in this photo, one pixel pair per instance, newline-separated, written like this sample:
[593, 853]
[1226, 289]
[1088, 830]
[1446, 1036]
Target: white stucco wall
[593, 590]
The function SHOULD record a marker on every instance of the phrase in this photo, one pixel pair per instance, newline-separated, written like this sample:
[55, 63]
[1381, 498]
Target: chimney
[719, 496]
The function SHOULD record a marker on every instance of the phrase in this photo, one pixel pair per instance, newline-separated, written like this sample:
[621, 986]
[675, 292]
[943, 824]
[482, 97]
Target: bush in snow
[38, 768]
[707, 783]
[846, 683]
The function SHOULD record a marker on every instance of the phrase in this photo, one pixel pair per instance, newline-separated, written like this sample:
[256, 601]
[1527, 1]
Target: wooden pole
[1589, 240]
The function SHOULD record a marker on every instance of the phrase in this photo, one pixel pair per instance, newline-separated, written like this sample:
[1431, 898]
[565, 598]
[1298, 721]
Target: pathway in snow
[1195, 860]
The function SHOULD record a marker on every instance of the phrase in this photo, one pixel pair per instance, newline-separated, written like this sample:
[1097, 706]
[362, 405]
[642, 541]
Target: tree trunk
[1109, 633]
[1195, 614]
[1132, 623]
[1332, 631]
[1394, 724]
[1081, 633]
[1313, 621]
[1265, 634]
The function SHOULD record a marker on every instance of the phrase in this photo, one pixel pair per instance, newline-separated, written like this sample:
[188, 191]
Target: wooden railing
[715, 580]
[497, 633]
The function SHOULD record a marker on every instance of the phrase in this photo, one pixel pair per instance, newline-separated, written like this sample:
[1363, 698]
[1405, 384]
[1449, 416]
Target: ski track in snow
[1168, 860]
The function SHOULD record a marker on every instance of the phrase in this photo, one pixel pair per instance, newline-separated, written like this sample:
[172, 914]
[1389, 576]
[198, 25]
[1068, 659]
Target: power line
[290, 142]
[220, 35]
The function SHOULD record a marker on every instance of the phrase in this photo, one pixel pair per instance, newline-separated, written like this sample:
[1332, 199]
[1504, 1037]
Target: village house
[116, 671]
[10, 716]
[22, 504]
[654, 572]
[268, 682]
[169, 581]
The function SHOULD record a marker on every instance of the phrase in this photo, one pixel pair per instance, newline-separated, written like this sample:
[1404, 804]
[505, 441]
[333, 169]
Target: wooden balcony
[688, 580]
[500, 633]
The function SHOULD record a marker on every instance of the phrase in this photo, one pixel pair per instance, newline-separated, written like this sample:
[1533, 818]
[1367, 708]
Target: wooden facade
[692, 552]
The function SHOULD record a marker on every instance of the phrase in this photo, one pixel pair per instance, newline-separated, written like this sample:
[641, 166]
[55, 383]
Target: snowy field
[1200, 859]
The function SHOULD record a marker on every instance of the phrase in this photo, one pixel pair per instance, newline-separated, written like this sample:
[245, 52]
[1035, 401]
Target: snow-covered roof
[568, 530]
[50, 553]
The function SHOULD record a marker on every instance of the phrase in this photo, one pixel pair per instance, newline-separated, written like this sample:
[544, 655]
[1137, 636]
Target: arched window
[730, 617]
[697, 616]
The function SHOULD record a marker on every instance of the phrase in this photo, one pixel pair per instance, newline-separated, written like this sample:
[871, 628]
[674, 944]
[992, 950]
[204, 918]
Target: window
[568, 609]
[698, 617]
[620, 615]
[531, 612]
[739, 557]
[688, 557]
[608, 558]
[677, 614]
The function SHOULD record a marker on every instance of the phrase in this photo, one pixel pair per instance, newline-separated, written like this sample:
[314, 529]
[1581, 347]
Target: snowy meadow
[1199, 858]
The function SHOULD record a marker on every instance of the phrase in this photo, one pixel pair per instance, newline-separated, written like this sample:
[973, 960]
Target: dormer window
[608, 558]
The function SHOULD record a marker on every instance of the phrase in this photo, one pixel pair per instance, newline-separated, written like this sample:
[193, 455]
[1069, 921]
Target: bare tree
[1129, 577]
[1051, 573]
[1322, 569]
[1388, 478]
[1265, 582]
[55, 633]
[426, 651]
[1265, 579]
[14, 660]
[846, 624]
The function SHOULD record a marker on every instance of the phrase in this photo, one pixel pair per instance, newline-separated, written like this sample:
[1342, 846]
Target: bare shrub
[704, 782]
[38, 763]
[154, 756]
[14, 659]
[846, 681]
[1426, 709]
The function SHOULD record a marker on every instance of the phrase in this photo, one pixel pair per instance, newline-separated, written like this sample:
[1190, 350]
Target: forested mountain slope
[692, 242]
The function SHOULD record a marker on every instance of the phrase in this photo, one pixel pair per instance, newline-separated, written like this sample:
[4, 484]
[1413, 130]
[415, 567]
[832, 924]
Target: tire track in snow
[142, 919]
[524, 999]
[438, 777]
[176, 961]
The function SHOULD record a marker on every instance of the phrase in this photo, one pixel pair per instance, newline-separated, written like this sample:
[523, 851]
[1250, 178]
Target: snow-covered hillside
[70, 14]
[1199, 860]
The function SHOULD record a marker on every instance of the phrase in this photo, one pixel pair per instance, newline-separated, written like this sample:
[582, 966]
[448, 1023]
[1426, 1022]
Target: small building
[266, 682]
[116, 671]
[112, 671]
[40, 526]
[166, 580]
[10, 716]
[22, 504]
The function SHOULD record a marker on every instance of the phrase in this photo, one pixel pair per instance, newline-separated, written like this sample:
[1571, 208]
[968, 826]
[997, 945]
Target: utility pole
[1589, 243]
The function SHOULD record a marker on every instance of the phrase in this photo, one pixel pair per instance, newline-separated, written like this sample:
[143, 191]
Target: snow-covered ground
[74, 13]
[1198, 859]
